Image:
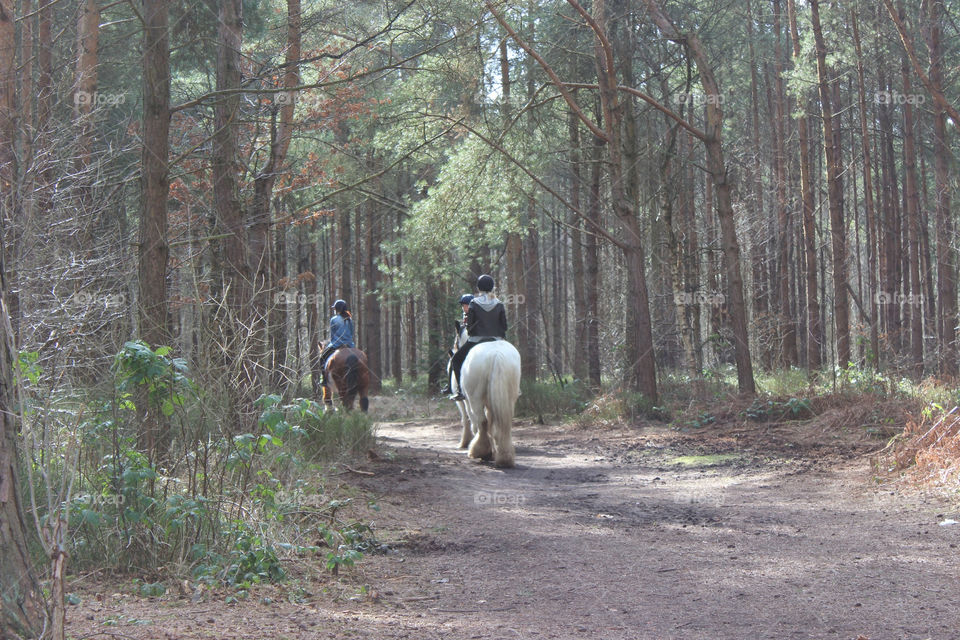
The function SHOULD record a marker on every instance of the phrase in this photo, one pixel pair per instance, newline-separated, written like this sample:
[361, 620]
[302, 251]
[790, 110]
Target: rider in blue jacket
[341, 334]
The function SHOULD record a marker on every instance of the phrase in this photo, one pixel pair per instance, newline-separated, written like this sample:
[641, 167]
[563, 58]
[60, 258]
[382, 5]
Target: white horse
[466, 434]
[490, 378]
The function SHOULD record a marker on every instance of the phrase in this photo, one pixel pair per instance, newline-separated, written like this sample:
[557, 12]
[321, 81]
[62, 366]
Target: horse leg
[327, 397]
[505, 453]
[364, 403]
[482, 446]
[467, 433]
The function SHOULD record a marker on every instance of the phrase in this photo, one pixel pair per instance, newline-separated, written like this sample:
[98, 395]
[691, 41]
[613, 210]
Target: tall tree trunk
[530, 309]
[8, 105]
[396, 337]
[946, 262]
[787, 327]
[153, 249]
[372, 307]
[23, 612]
[9, 170]
[591, 260]
[576, 253]
[437, 335]
[890, 225]
[44, 55]
[814, 338]
[313, 326]
[869, 213]
[640, 367]
[413, 367]
[716, 166]
[267, 316]
[689, 246]
[834, 194]
[225, 158]
[85, 96]
[912, 213]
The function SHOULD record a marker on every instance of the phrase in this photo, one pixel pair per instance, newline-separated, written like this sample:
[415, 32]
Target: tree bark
[8, 104]
[838, 234]
[23, 612]
[591, 259]
[912, 212]
[225, 167]
[576, 253]
[640, 367]
[154, 251]
[716, 166]
[261, 262]
[946, 261]
[786, 324]
[869, 212]
[814, 338]
[85, 97]
[372, 307]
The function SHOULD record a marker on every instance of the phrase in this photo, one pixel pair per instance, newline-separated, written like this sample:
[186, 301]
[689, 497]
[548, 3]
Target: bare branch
[567, 96]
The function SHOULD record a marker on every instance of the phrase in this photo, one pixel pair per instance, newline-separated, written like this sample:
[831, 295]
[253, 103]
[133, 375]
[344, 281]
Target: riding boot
[458, 395]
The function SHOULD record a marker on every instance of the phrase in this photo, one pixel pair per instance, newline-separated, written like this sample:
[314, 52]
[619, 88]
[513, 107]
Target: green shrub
[564, 398]
[216, 503]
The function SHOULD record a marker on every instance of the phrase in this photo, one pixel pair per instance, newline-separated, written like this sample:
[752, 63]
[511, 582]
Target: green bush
[220, 505]
[564, 398]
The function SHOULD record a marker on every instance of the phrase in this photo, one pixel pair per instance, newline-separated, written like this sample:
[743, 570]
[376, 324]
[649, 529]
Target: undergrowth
[231, 499]
[927, 452]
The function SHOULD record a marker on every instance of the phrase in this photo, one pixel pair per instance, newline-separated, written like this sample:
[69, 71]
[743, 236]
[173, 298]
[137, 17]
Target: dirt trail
[630, 534]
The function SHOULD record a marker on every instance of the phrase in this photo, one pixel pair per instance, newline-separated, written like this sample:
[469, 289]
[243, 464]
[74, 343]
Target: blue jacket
[341, 332]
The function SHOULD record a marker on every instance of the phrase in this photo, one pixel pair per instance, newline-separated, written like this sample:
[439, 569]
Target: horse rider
[486, 318]
[465, 301]
[341, 335]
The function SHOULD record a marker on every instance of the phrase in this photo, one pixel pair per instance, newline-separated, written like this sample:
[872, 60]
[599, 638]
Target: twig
[113, 634]
[362, 473]
[470, 610]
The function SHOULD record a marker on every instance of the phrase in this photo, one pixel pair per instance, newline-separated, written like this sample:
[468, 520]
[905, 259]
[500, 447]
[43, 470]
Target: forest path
[649, 534]
[616, 534]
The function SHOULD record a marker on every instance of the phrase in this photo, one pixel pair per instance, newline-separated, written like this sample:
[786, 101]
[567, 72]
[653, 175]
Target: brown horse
[347, 369]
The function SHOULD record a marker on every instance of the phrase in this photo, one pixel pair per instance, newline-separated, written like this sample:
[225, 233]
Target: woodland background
[667, 193]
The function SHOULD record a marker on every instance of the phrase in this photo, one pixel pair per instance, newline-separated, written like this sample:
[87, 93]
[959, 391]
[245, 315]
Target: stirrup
[458, 396]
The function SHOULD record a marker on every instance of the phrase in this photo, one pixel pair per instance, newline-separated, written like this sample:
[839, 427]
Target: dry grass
[928, 450]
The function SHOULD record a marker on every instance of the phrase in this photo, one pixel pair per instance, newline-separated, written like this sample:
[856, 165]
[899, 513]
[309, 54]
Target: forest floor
[766, 531]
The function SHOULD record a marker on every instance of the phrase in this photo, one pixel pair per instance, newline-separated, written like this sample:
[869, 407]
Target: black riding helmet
[485, 283]
[339, 306]
[466, 298]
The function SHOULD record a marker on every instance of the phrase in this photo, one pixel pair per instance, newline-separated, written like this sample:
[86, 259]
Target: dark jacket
[487, 317]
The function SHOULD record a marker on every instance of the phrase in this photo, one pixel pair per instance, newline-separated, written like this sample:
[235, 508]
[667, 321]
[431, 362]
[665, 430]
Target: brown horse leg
[364, 403]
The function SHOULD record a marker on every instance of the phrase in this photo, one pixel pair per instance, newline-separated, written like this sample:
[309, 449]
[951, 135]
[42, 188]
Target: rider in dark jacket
[486, 318]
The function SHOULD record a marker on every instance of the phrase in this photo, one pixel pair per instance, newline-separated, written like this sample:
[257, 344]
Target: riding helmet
[339, 306]
[485, 283]
[466, 298]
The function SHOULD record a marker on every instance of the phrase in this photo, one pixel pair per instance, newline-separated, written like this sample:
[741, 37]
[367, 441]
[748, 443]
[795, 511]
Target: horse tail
[502, 393]
[353, 373]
